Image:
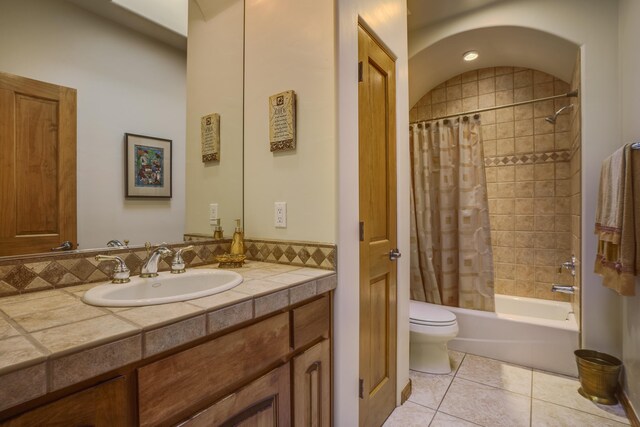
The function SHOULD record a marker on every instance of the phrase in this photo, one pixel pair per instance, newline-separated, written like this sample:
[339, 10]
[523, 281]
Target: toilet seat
[430, 323]
[429, 315]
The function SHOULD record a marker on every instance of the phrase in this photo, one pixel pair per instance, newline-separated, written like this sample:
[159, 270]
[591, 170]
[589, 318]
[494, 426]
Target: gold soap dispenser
[237, 243]
[217, 229]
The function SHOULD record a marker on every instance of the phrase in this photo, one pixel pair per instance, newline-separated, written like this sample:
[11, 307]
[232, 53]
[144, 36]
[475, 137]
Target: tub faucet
[563, 289]
[150, 267]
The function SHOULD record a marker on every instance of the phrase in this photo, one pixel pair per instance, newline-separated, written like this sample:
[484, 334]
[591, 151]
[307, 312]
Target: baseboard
[406, 392]
[626, 404]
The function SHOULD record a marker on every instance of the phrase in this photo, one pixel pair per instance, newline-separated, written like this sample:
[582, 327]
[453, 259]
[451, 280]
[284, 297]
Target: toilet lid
[429, 314]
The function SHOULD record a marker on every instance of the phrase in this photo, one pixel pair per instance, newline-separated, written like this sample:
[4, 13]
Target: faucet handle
[178, 264]
[121, 272]
[569, 265]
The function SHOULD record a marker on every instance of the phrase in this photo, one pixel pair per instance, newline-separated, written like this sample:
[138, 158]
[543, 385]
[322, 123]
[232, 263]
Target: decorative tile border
[31, 273]
[529, 158]
[306, 254]
[40, 272]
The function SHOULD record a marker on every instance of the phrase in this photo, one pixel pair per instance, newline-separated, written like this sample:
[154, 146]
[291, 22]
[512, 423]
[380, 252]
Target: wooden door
[377, 174]
[37, 165]
[104, 405]
[312, 387]
[264, 402]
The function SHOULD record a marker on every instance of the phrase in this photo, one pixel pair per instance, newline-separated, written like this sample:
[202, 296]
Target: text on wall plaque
[282, 121]
[210, 137]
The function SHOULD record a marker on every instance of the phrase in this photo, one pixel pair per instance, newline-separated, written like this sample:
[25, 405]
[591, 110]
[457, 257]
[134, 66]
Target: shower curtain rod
[571, 94]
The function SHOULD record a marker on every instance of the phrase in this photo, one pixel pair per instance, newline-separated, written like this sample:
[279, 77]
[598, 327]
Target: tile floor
[487, 392]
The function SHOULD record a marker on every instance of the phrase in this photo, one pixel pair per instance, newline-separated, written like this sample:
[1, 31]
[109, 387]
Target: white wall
[387, 20]
[629, 13]
[289, 44]
[126, 82]
[214, 85]
[171, 14]
[591, 24]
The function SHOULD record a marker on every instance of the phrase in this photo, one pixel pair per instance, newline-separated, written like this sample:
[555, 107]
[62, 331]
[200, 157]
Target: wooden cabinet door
[264, 402]
[175, 387]
[37, 165]
[102, 405]
[312, 386]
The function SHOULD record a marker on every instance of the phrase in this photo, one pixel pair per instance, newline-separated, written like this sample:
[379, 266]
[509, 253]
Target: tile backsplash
[40, 272]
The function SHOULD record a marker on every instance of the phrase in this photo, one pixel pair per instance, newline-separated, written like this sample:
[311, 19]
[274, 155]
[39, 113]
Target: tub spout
[563, 289]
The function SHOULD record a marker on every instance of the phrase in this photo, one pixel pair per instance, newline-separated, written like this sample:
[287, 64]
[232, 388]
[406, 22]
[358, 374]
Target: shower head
[552, 119]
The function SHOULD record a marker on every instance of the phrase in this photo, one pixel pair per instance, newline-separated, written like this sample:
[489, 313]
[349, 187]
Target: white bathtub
[526, 331]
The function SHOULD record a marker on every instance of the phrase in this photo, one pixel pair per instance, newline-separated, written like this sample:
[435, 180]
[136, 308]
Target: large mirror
[133, 75]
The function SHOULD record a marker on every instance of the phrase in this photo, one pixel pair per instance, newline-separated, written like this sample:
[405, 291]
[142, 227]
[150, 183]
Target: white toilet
[431, 328]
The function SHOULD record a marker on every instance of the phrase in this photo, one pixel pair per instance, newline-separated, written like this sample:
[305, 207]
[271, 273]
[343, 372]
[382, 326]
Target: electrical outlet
[281, 214]
[213, 211]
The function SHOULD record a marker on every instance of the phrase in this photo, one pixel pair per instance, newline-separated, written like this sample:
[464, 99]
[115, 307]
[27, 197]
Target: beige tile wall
[529, 176]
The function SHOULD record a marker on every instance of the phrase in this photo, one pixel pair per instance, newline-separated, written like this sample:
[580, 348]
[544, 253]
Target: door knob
[64, 246]
[394, 254]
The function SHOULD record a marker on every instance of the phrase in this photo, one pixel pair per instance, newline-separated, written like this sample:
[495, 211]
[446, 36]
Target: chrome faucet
[120, 272]
[117, 243]
[563, 289]
[150, 267]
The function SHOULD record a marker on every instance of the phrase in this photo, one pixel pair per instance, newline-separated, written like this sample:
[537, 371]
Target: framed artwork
[148, 166]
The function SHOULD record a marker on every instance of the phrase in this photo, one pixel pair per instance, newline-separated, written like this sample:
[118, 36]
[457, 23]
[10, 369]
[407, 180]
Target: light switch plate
[281, 214]
[213, 211]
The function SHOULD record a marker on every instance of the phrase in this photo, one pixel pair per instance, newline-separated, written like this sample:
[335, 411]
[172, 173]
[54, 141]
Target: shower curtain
[451, 257]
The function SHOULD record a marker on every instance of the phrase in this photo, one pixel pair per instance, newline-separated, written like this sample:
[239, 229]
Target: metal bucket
[598, 373]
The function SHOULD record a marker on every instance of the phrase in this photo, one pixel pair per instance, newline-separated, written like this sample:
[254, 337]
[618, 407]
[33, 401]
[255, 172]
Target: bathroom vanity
[260, 362]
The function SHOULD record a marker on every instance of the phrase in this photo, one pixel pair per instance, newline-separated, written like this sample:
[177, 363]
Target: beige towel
[610, 198]
[618, 235]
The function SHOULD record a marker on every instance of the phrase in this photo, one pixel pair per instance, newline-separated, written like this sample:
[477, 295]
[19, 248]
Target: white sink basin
[163, 289]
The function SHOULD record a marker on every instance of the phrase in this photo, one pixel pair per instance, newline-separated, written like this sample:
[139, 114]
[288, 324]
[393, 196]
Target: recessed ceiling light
[470, 56]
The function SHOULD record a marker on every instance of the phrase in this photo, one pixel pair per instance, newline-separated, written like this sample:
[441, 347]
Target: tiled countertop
[51, 339]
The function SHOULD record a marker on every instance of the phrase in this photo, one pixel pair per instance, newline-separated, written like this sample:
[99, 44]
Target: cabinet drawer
[311, 321]
[176, 385]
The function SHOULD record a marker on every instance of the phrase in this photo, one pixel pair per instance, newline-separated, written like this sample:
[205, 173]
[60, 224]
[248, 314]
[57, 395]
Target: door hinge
[360, 72]
[361, 392]
[362, 231]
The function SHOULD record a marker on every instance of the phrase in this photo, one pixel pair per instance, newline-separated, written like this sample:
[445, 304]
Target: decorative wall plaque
[282, 121]
[210, 137]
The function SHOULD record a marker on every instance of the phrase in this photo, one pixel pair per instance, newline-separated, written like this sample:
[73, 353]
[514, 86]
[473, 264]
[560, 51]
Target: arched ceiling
[422, 13]
[497, 46]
